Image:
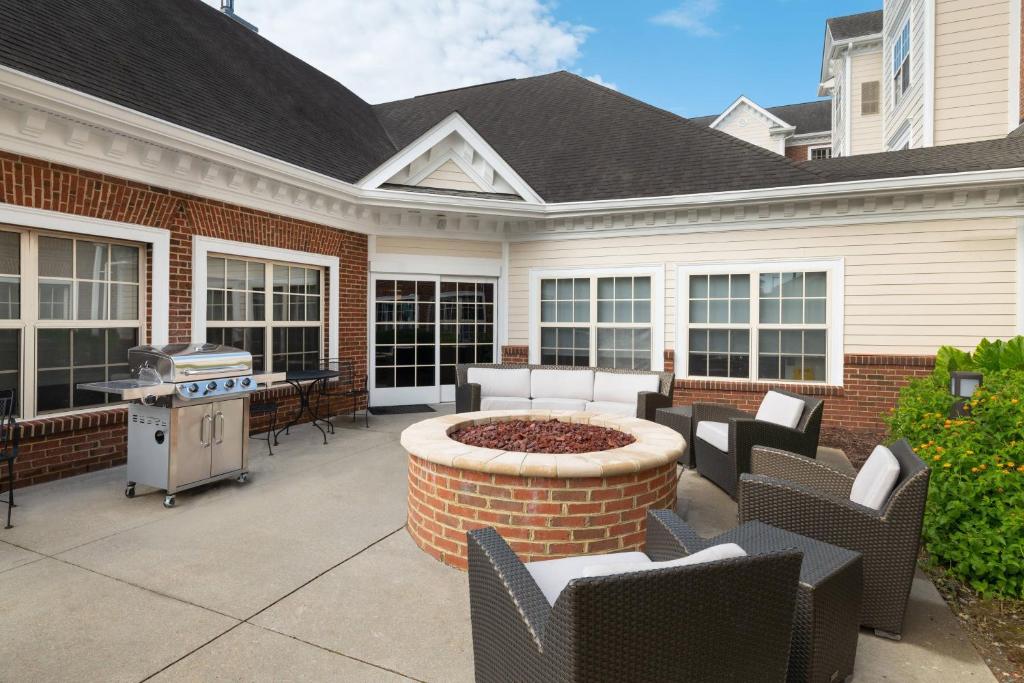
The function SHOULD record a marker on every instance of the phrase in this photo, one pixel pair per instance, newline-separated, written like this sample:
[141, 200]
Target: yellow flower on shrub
[936, 457]
[946, 464]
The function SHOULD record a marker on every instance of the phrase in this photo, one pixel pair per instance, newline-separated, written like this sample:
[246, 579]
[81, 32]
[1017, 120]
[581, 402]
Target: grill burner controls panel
[217, 387]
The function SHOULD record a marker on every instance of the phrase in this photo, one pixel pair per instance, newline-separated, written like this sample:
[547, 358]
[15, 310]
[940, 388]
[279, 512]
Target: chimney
[228, 8]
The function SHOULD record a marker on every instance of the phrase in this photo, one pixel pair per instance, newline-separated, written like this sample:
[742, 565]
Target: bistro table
[304, 381]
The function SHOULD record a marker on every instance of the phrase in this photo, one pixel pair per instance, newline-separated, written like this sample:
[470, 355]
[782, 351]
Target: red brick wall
[797, 152]
[39, 184]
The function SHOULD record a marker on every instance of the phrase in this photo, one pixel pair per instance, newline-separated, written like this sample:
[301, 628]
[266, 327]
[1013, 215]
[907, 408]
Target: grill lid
[189, 362]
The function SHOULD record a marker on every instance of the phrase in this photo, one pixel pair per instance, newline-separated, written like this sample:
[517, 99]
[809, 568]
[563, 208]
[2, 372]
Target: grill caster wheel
[169, 501]
[243, 477]
[129, 492]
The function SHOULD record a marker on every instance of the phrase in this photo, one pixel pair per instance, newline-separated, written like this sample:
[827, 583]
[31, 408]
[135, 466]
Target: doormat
[401, 410]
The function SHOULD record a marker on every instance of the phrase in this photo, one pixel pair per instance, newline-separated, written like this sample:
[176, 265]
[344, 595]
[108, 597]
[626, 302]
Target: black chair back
[8, 425]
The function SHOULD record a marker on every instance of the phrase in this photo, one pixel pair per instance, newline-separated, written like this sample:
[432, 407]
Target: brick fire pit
[544, 505]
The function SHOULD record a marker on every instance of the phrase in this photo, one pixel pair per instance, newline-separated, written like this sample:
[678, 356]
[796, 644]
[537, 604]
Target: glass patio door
[421, 327]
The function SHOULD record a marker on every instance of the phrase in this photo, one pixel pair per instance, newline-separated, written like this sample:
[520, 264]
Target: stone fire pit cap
[655, 445]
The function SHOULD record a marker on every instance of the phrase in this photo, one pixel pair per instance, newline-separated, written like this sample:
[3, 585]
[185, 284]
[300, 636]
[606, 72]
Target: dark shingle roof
[807, 117]
[185, 62]
[574, 140]
[854, 25]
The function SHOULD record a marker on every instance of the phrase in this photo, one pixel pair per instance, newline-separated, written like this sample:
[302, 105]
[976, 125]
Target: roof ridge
[799, 104]
[462, 87]
[855, 14]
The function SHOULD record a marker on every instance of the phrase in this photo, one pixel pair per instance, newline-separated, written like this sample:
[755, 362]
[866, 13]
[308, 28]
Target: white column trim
[201, 248]
[503, 300]
[928, 125]
[848, 104]
[1020, 275]
[1013, 98]
[158, 238]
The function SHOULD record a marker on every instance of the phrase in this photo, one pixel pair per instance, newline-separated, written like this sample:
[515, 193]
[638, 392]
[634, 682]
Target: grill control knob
[193, 388]
[211, 386]
[246, 382]
[229, 384]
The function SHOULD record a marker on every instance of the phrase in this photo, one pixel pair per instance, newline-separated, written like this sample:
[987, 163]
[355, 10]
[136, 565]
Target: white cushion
[612, 408]
[559, 404]
[501, 381]
[578, 384]
[715, 433]
[552, 575]
[876, 479]
[505, 403]
[780, 409]
[621, 388]
[722, 551]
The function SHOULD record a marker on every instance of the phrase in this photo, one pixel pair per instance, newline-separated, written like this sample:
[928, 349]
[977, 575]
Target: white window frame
[897, 72]
[811, 149]
[657, 275]
[902, 138]
[202, 247]
[834, 315]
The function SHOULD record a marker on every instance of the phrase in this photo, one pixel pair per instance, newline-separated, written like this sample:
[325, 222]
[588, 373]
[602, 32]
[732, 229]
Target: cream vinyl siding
[910, 287]
[911, 104]
[747, 124]
[865, 131]
[425, 246]
[448, 176]
[972, 69]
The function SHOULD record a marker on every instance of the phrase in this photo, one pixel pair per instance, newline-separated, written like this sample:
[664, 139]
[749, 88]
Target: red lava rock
[542, 436]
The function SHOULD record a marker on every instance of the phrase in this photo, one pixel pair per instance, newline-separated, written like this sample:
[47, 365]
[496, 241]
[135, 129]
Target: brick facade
[797, 152]
[56, 447]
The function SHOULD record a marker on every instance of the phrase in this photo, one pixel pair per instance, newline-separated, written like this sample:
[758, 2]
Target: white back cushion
[552, 575]
[722, 551]
[876, 479]
[578, 384]
[780, 409]
[715, 433]
[621, 388]
[501, 381]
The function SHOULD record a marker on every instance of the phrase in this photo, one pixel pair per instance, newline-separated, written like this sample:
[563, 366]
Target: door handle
[202, 430]
[218, 432]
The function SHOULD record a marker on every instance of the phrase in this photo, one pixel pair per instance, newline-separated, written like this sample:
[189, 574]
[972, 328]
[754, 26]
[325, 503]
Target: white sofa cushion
[558, 404]
[552, 575]
[577, 384]
[780, 409]
[501, 381]
[715, 433]
[505, 403]
[612, 408]
[622, 388]
[876, 479]
[722, 551]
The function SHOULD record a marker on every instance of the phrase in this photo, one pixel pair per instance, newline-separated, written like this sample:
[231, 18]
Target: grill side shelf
[129, 389]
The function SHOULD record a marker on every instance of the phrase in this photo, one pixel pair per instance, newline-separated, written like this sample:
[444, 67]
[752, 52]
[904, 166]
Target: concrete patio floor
[304, 573]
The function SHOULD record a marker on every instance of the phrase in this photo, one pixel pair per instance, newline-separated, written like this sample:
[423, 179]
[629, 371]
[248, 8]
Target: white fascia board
[821, 137]
[743, 99]
[453, 123]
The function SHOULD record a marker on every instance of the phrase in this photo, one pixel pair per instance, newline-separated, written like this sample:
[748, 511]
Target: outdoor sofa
[719, 620]
[810, 498]
[517, 386]
[724, 436]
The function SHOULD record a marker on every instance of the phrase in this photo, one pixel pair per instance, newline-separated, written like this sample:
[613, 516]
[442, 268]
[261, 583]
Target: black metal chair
[347, 386]
[8, 445]
[266, 408]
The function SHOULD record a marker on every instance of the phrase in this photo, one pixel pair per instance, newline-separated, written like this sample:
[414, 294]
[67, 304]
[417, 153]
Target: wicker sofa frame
[810, 498]
[724, 469]
[467, 394]
[725, 621]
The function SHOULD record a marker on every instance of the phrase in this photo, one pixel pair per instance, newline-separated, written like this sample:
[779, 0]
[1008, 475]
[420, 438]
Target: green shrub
[974, 520]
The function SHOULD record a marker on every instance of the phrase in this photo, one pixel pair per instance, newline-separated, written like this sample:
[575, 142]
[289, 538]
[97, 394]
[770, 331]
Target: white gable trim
[453, 123]
[743, 99]
[452, 156]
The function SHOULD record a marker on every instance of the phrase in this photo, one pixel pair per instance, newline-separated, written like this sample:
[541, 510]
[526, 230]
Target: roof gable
[743, 102]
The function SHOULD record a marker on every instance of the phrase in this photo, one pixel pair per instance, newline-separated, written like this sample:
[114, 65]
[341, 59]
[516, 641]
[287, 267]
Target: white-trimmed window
[819, 152]
[762, 322]
[286, 327]
[602, 319]
[70, 308]
[901, 62]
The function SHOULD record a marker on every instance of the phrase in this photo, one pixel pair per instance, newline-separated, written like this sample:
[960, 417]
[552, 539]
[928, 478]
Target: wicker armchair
[725, 468]
[725, 621]
[810, 498]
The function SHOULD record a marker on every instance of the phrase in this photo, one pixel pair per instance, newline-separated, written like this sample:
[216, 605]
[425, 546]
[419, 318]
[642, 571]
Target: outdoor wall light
[964, 384]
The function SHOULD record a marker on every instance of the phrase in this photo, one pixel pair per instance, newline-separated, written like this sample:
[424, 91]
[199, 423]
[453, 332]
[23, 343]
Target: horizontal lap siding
[866, 130]
[425, 246]
[450, 177]
[909, 287]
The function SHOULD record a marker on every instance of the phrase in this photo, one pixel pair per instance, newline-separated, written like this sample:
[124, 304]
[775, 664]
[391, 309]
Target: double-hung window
[597, 320]
[70, 308]
[901, 62]
[770, 322]
[283, 324]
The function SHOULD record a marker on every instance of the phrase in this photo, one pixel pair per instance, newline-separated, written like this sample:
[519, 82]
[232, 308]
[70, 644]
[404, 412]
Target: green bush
[974, 520]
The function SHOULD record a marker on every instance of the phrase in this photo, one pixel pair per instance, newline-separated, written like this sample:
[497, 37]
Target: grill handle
[218, 432]
[207, 420]
[221, 368]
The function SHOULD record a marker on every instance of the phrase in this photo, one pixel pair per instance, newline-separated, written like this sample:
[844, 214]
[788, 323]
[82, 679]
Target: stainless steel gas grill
[188, 423]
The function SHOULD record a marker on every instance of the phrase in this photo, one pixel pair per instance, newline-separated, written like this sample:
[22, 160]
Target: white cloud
[596, 78]
[691, 16]
[390, 49]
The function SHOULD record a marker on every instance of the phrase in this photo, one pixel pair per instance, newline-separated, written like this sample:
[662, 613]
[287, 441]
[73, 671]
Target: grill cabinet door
[228, 439]
[190, 445]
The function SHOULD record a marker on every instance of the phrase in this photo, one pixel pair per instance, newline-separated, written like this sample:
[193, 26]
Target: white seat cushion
[722, 551]
[876, 479]
[559, 404]
[576, 384]
[780, 409]
[612, 408]
[617, 387]
[552, 575]
[505, 403]
[501, 381]
[715, 433]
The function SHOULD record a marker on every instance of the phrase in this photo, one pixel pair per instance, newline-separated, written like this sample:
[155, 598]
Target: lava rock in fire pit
[542, 436]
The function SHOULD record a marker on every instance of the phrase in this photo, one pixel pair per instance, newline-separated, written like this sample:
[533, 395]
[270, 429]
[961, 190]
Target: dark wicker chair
[8, 445]
[810, 498]
[347, 387]
[722, 621]
[269, 408]
[725, 468]
[467, 395]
